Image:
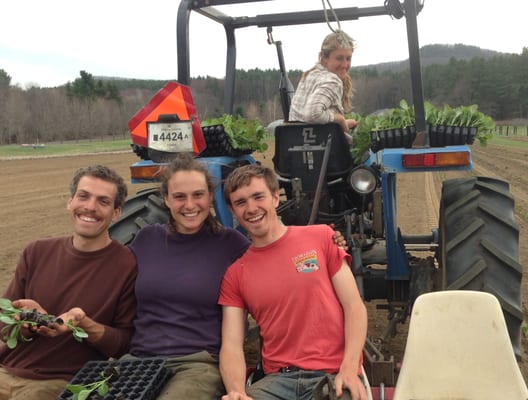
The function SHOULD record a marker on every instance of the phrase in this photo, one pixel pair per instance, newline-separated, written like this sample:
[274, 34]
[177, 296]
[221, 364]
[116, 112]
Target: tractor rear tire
[479, 245]
[145, 208]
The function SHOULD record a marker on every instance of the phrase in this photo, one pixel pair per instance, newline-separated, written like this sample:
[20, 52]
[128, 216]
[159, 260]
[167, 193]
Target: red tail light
[454, 159]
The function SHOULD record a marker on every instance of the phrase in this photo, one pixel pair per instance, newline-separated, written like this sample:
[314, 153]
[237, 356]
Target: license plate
[171, 137]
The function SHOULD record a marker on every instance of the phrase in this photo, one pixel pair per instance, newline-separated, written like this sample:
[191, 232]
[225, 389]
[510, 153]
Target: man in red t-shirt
[299, 288]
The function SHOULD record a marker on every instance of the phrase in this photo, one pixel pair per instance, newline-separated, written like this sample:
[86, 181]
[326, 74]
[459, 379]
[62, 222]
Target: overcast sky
[49, 42]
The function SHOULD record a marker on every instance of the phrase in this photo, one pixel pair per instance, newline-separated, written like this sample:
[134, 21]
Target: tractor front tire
[145, 208]
[479, 245]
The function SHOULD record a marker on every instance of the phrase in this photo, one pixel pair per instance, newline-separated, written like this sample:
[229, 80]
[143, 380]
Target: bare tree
[5, 81]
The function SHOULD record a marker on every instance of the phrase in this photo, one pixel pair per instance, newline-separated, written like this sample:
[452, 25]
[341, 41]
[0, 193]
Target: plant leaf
[75, 388]
[12, 342]
[6, 305]
[83, 394]
[78, 333]
[81, 334]
[6, 319]
[240, 132]
[103, 389]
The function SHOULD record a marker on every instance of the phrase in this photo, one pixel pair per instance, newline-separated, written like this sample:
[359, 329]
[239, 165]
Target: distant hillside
[429, 54]
[436, 54]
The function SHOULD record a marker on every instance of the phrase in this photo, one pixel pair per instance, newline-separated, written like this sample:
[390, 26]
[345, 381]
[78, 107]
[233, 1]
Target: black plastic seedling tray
[138, 379]
[218, 145]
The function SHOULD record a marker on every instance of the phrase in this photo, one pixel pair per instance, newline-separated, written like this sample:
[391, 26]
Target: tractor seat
[458, 348]
[299, 148]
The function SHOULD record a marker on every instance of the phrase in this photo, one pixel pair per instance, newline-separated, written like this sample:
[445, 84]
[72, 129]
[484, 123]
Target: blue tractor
[474, 246]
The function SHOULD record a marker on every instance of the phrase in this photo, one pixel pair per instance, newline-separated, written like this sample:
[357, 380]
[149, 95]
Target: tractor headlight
[363, 180]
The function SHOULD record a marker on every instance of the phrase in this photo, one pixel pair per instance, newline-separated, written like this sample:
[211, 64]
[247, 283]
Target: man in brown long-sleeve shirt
[87, 278]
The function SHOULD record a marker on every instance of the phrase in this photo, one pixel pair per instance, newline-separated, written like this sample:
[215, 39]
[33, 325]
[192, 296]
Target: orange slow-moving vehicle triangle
[173, 98]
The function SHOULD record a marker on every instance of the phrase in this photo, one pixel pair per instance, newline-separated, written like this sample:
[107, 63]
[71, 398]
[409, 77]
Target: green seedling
[82, 392]
[403, 116]
[242, 133]
[78, 333]
[11, 317]
[15, 319]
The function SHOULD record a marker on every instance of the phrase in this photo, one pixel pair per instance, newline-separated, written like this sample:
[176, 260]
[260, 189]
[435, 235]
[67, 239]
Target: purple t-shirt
[177, 289]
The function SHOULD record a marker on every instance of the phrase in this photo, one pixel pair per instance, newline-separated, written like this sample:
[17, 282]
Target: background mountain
[437, 54]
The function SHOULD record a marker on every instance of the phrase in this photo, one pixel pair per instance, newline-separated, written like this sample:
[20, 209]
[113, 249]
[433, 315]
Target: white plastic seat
[458, 348]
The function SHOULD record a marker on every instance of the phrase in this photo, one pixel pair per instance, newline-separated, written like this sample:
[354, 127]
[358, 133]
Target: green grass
[66, 148]
[82, 147]
[500, 130]
[504, 141]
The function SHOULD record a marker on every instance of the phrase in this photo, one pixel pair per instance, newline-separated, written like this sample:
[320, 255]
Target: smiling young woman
[325, 91]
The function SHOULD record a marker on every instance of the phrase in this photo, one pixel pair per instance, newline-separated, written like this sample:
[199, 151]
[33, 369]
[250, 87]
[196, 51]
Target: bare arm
[355, 332]
[232, 361]
[346, 124]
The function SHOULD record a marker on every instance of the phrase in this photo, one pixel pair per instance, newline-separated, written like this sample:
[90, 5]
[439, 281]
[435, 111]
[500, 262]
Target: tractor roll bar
[207, 8]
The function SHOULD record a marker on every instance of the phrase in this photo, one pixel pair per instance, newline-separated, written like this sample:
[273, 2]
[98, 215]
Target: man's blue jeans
[296, 385]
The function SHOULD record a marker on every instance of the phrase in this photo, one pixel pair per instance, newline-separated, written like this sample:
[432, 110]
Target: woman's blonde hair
[339, 40]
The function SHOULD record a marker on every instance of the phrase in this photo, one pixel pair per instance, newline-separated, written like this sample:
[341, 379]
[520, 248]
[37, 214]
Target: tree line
[92, 107]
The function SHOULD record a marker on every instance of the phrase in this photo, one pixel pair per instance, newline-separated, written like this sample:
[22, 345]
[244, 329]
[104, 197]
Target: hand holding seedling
[30, 311]
[49, 326]
[29, 304]
[19, 321]
[73, 317]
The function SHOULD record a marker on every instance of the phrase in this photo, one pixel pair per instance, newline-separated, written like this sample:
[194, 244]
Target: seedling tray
[218, 145]
[138, 379]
